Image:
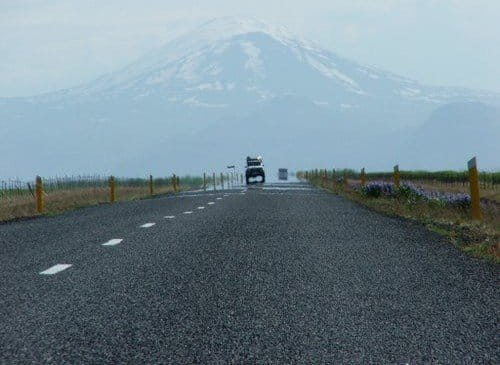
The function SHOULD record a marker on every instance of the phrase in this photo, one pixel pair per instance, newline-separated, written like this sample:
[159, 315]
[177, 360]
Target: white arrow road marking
[113, 242]
[55, 269]
[148, 225]
[169, 217]
[200, 208]
[211, 203]
[188, 212]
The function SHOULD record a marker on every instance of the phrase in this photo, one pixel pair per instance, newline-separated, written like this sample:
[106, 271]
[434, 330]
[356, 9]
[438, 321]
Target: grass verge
[61, 201]
[478, 239]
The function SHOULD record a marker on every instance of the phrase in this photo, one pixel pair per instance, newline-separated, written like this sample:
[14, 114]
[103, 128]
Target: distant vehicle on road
[283, 174]
[254, 170]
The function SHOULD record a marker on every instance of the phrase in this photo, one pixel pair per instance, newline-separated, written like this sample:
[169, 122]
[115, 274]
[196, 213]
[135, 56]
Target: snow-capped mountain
[232, 61]
[227, 71]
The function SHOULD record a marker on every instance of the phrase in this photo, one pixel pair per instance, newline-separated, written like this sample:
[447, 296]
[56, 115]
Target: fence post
[204, 182]
[397, 176]
[214, 180]
[222, 180]
[151, 187]
[174, 182]
[474, 189]
[39, 195]
[363, 177]
[112, 195]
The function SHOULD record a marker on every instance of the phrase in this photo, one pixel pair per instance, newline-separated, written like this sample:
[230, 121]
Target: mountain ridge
[206, 81]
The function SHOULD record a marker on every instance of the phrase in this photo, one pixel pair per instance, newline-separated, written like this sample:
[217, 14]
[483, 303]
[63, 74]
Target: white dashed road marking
[113, 242]
[169, 217]
[200, 208]
[219, 198]
[148, 225]
[188, 212]
[211, 203]
[55, 269]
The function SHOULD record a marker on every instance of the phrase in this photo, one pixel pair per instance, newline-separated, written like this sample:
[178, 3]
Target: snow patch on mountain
[254, 63]
[161, 77]
[333, 73]
[193, 101]
[216, 86]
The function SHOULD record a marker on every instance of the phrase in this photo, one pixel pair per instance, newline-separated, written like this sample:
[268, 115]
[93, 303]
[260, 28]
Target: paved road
[281, 273]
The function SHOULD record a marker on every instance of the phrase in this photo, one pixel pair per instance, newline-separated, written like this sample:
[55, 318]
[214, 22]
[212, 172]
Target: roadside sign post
[39, 195]
[174, 182]
[112, 195]
[363, 177]
[397, 176]
[230, 178]
[474, 189]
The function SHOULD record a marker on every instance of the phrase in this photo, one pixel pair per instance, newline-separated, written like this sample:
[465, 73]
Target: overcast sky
[51, 44]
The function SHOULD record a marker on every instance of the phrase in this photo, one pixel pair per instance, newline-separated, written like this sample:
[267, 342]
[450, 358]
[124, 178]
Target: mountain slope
[229, 82]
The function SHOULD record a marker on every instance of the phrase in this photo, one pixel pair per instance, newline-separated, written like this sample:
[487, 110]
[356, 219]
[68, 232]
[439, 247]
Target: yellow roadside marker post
[112, 194]
[397, 176]
[174, 183]
[151, 187]
[474, 189]
[334, 178]
[39, 195]
[363, 177]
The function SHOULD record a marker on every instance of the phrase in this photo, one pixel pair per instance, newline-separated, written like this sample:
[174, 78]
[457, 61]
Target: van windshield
[254, 163]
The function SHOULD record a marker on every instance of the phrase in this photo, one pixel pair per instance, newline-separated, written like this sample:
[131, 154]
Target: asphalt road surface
[274, 273]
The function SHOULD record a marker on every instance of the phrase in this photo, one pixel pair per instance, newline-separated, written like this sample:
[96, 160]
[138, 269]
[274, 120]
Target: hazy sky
[52, 44]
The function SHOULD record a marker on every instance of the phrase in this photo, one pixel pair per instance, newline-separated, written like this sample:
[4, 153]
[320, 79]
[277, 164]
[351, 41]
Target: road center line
[169, 217]
[148, 225]
[219, 198]
[211, 203]
[55, 269]
[113, 242]
[200, 208]
[188, 212]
